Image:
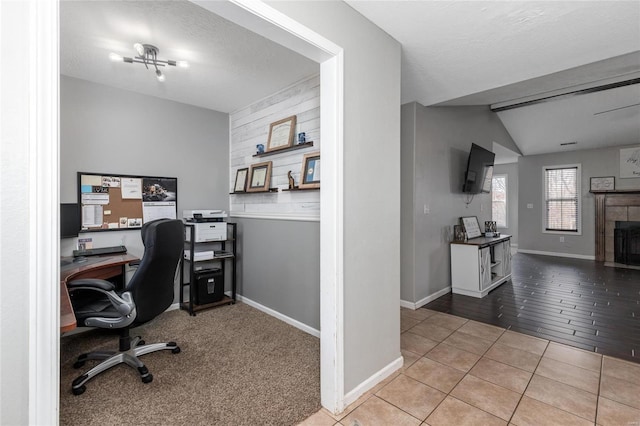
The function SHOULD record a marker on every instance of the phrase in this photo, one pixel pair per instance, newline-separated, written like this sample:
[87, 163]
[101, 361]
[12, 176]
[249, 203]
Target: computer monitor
[69, 220]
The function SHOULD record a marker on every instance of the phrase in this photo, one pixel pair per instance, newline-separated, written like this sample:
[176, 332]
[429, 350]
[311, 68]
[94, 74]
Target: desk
[102, 267]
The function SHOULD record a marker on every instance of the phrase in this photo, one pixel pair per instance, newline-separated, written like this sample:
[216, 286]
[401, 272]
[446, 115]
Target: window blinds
[561, 197]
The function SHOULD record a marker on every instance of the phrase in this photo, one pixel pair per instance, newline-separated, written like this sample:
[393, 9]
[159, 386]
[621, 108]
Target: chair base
[112, 358]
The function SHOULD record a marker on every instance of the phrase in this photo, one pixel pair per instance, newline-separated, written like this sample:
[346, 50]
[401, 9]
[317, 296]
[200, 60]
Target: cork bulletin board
[111, 202]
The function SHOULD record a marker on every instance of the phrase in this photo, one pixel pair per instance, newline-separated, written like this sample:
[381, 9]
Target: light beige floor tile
[406, 323]
[419, 314]
[613, 413]
[412, 396]
[468, 343]
[535, 413]
[415, 343]
[494, 399]
[483, 331]
[623, 370]
[431, 331]
[577, 377]
[321, 418]
[523, 342]
[453, 412]
[375, 411]
[514, 357]
[453, 357]
[409, 359]
[564, 397]
[434, 374]
[574, 356]
[620, 391]
[445, 320]
[501, 374]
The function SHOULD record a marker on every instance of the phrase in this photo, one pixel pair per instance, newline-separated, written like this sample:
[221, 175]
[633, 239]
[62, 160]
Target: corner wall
[436, 159]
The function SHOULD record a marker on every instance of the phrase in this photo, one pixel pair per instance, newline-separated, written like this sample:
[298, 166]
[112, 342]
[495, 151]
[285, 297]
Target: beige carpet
[238, 366]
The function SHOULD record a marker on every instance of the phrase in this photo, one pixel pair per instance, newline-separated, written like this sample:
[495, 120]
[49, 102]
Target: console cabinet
[480, 265]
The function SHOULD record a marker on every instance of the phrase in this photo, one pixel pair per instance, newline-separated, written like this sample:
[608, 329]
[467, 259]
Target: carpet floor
[238, 366]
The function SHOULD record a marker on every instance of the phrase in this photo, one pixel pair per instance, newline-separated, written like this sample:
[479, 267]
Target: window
[562, 200]
[499, 200]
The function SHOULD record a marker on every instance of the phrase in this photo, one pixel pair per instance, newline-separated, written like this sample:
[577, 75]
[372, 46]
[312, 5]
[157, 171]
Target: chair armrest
[123, 303]
[91, 282]
[135, 263]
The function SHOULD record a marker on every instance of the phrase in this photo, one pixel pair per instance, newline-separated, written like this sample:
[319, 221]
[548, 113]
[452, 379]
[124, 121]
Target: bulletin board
[110, 202]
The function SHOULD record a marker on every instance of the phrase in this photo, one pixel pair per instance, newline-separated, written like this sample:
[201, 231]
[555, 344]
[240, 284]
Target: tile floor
[462, 372]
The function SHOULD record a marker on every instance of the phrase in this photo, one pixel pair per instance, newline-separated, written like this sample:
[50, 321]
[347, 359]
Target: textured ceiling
[230, 67]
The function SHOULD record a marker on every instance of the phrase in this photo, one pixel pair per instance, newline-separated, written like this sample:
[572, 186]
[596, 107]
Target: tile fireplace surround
[612, 206]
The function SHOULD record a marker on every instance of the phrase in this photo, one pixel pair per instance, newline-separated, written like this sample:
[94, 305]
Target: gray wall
[371, 183]
[443, 137]
[511, 170]
[595, 162]
[279, 267]
[101, 131]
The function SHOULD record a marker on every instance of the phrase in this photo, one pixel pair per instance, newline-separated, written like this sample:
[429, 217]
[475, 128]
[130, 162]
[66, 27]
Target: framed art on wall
[259, 177]
[241, 180]
[471, 226]
[606, 183]
[281, 134]
[310, 173]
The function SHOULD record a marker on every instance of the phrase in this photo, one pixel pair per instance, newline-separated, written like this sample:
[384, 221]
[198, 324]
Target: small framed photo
[281, 134]
[241, 180]
[310, 174]
[607, 183]
[471, 226]
[259, 177]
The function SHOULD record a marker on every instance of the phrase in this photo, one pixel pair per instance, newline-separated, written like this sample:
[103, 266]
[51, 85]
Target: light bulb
[160, 76]
[115, 57]
[183, 64]
[139, 48]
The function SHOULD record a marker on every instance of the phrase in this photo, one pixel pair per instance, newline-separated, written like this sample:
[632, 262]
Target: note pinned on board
[91, 180]
[131, 188]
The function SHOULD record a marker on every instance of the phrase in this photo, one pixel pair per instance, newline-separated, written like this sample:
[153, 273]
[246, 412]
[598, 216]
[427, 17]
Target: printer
[207, 225]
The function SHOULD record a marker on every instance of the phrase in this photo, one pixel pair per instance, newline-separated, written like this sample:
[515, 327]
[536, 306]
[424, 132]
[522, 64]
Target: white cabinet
[480, 265]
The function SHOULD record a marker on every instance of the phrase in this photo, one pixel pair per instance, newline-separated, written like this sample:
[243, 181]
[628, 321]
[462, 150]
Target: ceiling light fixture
[148, 55]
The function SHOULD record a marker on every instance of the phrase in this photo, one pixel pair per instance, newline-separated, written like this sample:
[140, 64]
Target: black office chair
[150, 292]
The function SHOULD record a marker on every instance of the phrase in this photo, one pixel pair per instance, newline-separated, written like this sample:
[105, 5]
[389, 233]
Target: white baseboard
[379, 376]
[422, 302]
[550, 253]
[297, 324]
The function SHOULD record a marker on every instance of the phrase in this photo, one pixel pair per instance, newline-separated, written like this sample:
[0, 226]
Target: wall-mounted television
[69, 220]
[477, 178]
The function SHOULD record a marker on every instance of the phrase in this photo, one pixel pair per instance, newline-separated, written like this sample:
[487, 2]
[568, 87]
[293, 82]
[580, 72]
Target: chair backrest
[152, 285]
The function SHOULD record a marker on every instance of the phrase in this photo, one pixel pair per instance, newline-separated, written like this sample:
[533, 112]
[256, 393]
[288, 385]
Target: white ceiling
[489, 52]
[230, 67]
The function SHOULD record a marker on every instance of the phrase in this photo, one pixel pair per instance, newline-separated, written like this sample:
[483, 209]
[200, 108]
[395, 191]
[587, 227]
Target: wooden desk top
[94, 267]
[483, 241]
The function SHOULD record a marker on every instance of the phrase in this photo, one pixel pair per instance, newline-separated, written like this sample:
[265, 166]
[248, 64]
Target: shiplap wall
[250, 126]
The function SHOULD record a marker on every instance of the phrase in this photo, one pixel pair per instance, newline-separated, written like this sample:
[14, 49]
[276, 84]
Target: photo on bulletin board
[111, 202]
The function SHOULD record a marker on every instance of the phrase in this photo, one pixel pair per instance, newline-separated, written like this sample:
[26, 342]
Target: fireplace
[626, 240]
[612, 207]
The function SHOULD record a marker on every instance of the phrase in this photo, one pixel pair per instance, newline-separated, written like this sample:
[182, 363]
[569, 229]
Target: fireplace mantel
[619, 204]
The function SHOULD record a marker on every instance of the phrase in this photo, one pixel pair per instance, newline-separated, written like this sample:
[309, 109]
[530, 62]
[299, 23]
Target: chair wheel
[78, 364]
[175, 350]
[147, 379]
[79, 391]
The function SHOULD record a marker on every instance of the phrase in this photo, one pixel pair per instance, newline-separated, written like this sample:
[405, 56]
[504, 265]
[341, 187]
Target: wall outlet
[427, 210]
[529, 205]
[562, 239]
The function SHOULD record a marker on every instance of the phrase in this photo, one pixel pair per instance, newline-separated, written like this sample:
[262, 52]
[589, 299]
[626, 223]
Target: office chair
[150, 292]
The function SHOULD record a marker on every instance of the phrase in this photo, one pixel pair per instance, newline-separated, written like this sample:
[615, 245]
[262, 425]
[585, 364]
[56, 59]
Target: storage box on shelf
[207, 257]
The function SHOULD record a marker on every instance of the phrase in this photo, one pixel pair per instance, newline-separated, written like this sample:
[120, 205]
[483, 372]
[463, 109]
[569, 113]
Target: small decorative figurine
[260, 148]
[292, 183]
[302, 137]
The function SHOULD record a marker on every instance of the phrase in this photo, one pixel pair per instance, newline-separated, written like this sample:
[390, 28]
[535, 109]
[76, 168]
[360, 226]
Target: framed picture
[241, 180]
[310, 173]
[630, 162]
[471, 226]
[259, 177]
[281, 134]
[607, 183]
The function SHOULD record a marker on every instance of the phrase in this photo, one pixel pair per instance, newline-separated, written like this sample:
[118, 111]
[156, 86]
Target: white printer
[208, 225]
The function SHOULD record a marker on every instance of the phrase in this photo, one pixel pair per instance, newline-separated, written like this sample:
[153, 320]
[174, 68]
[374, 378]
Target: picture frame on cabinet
[606, 183]
[281, 134]
[241, 180]
[310, 173]
[259, 177]
[471, 226]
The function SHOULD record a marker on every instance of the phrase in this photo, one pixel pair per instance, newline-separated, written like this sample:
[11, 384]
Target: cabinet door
[506, 257]
[485, 268]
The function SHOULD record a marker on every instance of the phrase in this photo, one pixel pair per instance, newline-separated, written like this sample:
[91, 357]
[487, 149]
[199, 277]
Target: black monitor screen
[479, 170]
[69, 220]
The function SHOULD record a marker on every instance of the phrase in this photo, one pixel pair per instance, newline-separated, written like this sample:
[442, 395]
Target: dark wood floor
[581, 303]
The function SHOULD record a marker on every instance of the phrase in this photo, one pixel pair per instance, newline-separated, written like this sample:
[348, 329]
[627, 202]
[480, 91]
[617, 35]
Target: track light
[148, 55]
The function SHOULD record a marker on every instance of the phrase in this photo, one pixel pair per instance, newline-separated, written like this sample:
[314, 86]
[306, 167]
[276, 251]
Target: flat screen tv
[477, 178]
[69, 220]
